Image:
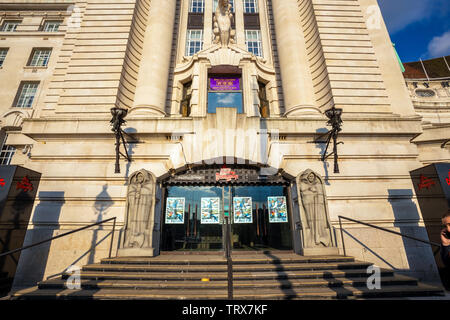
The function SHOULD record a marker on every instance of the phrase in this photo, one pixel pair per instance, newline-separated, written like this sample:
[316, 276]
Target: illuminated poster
[242, 210]
[277, 209]
[210, 210]
[175, 211]
[224, 84]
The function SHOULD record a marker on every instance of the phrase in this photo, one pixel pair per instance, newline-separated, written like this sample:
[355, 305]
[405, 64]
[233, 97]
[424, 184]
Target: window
[197, 6]
[6, 153]
[425, 93]
[253, 42]
[224, 91]
[26, 94]
[3, 53]
[215, 3]
[194, 42]
[250, 6]
[40, 57]
[51, 26]
[10, 25]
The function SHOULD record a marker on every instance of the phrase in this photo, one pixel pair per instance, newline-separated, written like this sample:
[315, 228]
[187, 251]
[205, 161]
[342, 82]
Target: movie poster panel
[210, 210]
[175, 211]
[242, 210]
[277, 209]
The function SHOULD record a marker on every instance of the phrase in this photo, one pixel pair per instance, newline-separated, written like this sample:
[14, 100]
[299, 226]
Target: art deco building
[212, 112]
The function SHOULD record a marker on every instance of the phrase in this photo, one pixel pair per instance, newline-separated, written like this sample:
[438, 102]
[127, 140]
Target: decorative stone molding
[195, 69]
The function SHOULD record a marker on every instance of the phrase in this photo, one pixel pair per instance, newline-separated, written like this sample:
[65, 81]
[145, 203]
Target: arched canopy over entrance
[197, 198]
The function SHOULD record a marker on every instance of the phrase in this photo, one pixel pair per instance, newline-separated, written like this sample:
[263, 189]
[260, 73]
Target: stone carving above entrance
[223, 16]
[318, 235]
[139, 215]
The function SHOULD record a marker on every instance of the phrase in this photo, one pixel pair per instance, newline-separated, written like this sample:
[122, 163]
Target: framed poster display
[210, 210]
[242, 210]
[175, 211]
[277, 209]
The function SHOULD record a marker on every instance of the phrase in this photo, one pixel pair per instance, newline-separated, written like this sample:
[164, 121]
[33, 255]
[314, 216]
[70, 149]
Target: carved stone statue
[223, 16]
[139, 214]
[316, 225]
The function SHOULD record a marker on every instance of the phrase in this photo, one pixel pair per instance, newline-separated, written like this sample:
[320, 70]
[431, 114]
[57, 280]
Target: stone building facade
[289, 62]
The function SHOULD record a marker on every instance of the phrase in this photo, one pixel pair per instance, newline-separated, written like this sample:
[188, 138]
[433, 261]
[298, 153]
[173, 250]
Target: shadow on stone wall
[419, 255]
[33, 261]
[322, 148]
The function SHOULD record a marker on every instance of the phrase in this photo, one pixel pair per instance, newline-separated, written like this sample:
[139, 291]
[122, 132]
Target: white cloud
[439, 46]
[225, 98]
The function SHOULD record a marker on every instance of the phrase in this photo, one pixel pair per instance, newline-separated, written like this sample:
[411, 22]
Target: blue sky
[419, 28]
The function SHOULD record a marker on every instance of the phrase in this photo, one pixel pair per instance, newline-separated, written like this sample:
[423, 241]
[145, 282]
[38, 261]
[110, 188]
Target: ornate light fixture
[116, 122]
[335, 121]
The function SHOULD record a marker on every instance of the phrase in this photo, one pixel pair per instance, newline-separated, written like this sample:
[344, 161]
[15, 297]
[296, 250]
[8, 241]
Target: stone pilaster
[151, 88]
[295, 73]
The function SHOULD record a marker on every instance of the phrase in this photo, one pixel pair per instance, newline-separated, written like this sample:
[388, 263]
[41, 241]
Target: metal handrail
[383, 229]
[229, 261]
[66, 234]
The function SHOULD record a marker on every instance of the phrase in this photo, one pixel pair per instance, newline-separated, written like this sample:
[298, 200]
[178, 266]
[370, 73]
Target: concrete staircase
[256, 275]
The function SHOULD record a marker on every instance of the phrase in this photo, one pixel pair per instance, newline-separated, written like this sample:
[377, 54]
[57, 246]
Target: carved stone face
[311, 177]
[139, 178]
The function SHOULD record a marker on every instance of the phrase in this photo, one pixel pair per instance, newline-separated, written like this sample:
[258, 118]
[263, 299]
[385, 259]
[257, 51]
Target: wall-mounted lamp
[116, 122]
[335, 121]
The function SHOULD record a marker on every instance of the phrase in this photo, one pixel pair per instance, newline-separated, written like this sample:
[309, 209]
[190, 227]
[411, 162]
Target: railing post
[112, 237]
[228, 256]
[342, 236]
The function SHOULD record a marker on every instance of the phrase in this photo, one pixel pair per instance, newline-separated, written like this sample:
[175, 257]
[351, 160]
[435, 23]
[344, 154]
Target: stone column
[294, 64]
[151, 86]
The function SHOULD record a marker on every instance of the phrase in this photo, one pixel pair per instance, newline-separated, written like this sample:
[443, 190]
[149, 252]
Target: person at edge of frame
[445, 239]
[445, 250]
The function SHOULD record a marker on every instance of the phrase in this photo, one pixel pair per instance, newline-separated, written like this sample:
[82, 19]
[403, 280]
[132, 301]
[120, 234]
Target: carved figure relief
[223, 16]
[317, 228]
[140, 204]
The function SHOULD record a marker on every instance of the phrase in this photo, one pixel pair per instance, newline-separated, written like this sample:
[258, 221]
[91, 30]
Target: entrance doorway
[193, 217]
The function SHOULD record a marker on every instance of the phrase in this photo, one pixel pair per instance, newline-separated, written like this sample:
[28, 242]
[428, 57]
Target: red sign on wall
[226, 174]
[425, 182]
[25, 184]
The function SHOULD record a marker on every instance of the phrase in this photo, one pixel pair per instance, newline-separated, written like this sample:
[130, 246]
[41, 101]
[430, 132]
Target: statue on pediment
[223, 17]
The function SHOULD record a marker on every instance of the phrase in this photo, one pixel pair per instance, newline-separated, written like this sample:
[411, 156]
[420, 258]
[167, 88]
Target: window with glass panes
[253, 42]
[216, 2]
[26, 94]
[10, 26]
[6, 153]
[194, 42]
[40, 57]
[51, 26]
[250, 6]
[3, 53]
[197, 6]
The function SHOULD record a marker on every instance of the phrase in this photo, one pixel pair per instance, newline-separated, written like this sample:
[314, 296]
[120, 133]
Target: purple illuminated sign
[224, 84]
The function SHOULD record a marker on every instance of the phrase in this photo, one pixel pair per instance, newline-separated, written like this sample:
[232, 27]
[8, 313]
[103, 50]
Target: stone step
[216, 259]
[345, 292]
[237, 285]
[214, 276]
[223, 268]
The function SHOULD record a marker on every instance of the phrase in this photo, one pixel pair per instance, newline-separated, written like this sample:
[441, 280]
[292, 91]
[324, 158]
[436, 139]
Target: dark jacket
[445, 255]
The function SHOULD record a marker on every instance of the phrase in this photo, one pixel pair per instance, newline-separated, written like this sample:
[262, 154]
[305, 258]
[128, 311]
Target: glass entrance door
[269, 228]
[194, 218]
[199, 226]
